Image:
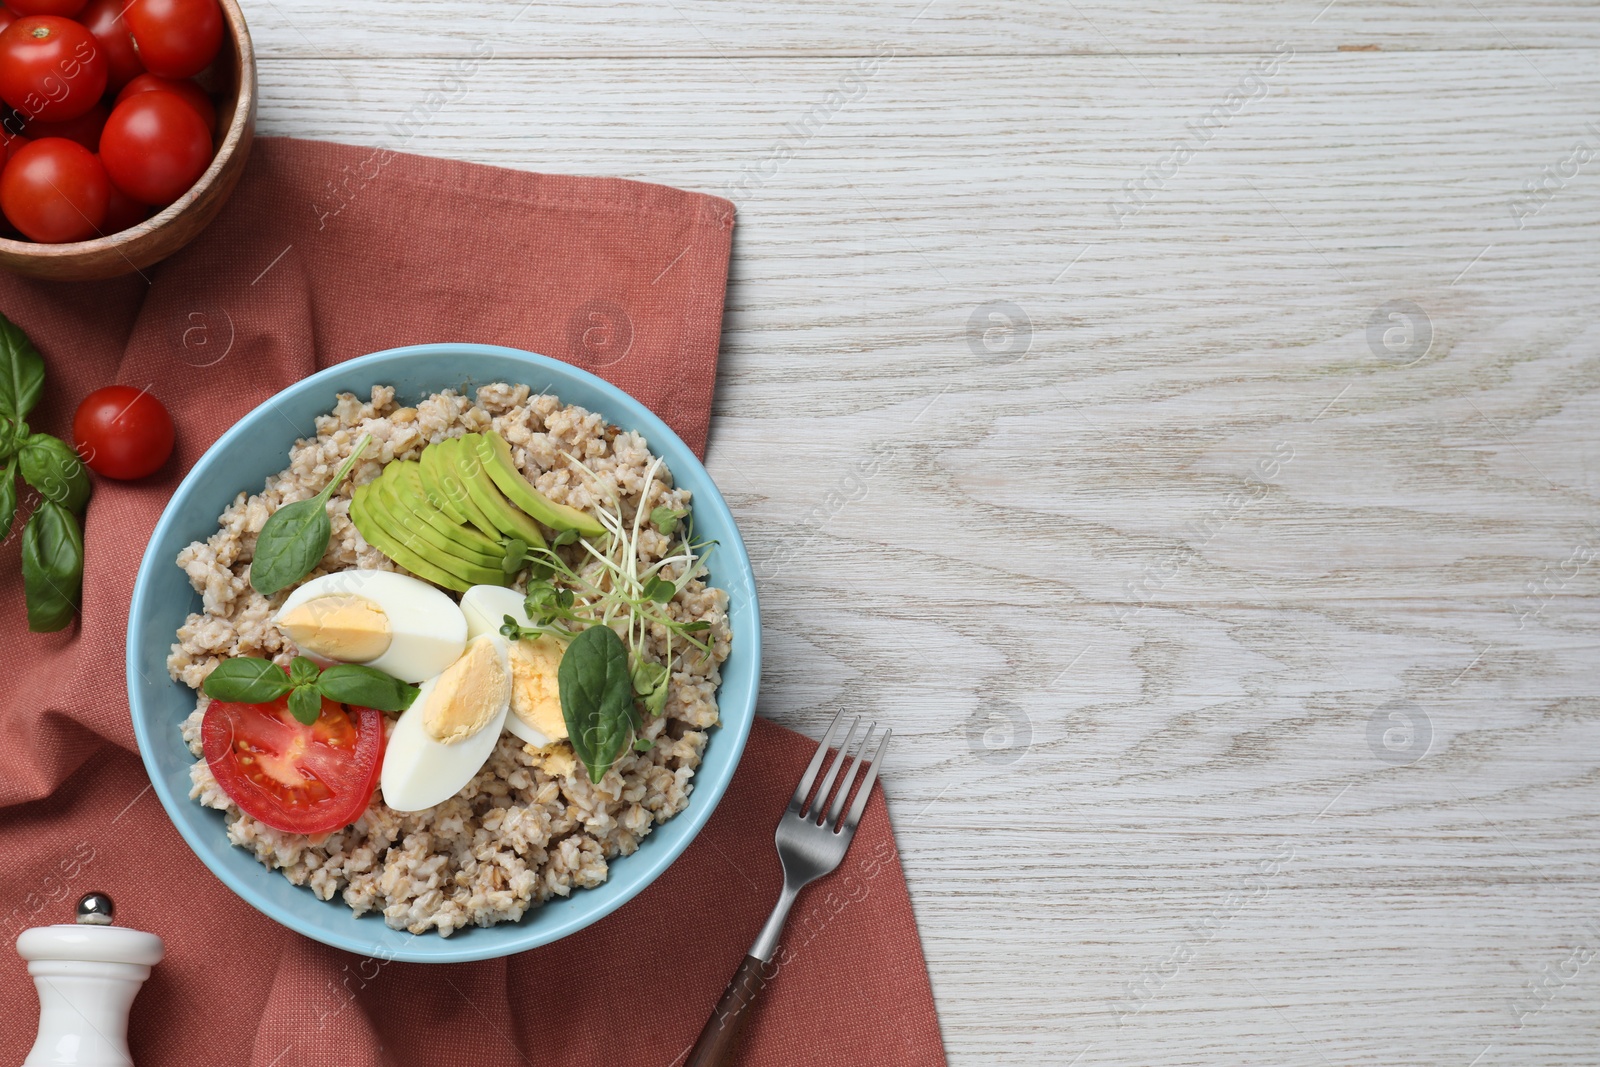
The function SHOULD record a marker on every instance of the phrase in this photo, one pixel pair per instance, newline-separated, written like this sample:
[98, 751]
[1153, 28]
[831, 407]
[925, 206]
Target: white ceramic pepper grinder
[87, 974]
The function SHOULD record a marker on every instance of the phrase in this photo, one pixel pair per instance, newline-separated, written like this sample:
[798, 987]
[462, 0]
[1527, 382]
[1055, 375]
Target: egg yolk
[341, 626]
[535, 690]
[470, 693]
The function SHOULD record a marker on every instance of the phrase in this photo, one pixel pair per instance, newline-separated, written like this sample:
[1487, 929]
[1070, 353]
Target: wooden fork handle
[715, 1046]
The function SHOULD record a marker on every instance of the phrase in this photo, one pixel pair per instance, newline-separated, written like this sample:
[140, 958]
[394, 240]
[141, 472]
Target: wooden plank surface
[1179, 423]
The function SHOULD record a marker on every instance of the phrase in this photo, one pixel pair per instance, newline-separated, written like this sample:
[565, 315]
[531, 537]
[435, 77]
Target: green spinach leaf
[52, 567]
[21, 372]
[596, 698]
[295, 536]
[55, 471]
[367, 687]
[246, 680]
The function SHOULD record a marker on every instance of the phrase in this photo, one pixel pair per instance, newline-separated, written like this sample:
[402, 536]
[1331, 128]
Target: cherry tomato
[176, 38]
[123, 212]
[103, 19]
[122, 432]
[155, 146]
[191, 94]
[55, 190]
[85, 129]
[50, 68]
[295, 778]
[13, 146]
[63, 8]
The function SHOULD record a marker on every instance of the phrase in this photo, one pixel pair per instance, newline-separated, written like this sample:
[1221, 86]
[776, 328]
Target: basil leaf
[52, 567]
[8, 498]
[367, 687]
[21, 372]
[54, 469]
[12, 434]
[305, 703]
[596, 698]
[246, 680]
[302, 671]
[295, 537]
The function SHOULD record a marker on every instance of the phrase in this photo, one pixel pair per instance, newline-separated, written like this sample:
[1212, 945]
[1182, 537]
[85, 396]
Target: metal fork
[812, 839]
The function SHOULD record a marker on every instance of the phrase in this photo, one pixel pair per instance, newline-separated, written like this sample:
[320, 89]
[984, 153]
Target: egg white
[486, 608]
[428, 631]
[420, 772]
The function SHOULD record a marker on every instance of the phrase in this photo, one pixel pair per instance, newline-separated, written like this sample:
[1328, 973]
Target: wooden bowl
[180, 222]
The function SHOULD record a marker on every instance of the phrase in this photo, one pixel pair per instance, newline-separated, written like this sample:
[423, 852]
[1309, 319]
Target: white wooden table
[1180, 422]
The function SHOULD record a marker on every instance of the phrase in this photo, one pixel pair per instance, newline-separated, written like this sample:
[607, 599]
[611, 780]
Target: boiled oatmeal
[428, 722]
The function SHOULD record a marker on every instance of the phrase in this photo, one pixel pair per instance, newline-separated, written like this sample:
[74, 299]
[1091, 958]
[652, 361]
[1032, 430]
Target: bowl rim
[703, 800]
[236, 133]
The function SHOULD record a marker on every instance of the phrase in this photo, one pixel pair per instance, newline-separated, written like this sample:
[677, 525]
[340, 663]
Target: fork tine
[833, 771]
[810, 777]
[850, 776]
[854, 817]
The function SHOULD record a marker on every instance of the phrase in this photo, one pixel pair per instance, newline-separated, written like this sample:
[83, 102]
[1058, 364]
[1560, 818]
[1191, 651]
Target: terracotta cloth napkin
[327, 252]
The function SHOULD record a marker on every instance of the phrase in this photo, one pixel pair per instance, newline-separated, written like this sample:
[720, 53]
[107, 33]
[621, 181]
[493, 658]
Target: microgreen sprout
[610, 586]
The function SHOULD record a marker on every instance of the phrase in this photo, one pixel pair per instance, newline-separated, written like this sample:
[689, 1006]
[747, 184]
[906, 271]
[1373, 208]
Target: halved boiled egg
[535, 693]
[395, 623]
[450, 730]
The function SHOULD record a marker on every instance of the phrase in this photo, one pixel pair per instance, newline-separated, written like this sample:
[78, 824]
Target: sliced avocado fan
[449, 515]
[496, 457]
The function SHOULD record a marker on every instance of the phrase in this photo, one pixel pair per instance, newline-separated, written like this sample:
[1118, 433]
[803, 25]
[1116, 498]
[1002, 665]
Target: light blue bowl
[259, 446]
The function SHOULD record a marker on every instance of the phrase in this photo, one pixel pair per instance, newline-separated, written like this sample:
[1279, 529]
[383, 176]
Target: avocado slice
[406, 483]
[430, 474]
[496, 456]
[452, 488]
[398, 513]
[379, 539]
[481, 488]
[415, 548]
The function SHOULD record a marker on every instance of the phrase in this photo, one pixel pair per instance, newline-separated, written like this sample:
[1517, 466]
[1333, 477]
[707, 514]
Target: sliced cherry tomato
[103, 19]
[64, 8]
[191, 94]
[123, 212]
[155, 147]
[176, 38]
[55, 190]
[50, 68]
[85, 129]
[295, 778]
[122, 432]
